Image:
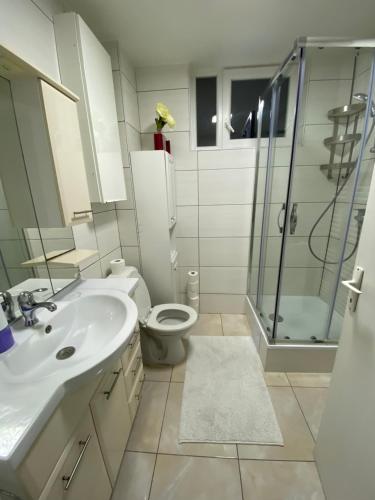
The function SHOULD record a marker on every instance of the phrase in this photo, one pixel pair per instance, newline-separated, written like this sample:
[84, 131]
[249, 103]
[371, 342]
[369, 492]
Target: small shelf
[68, 259]
[346, 111]
[340, 140]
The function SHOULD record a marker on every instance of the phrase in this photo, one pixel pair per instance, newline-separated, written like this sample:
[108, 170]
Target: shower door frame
[299, 50]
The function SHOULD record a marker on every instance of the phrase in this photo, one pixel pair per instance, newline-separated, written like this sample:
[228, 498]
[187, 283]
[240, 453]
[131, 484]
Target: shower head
[361, 97]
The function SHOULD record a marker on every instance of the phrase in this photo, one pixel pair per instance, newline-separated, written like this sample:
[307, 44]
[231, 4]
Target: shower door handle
[280, 226]
[293, 218]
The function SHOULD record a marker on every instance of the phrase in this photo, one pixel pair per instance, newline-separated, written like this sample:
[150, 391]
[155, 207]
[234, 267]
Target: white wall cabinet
[112, 419]
[50, 138]
[85, 67]
[154, 188]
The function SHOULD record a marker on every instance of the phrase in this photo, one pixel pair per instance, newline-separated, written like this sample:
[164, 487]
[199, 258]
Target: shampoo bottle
[6, 335]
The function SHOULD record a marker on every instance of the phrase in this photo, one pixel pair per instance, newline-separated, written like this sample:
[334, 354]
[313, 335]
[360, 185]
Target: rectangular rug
[225, 397]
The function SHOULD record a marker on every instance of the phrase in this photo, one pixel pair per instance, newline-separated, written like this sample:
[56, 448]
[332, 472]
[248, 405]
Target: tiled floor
[157, 467]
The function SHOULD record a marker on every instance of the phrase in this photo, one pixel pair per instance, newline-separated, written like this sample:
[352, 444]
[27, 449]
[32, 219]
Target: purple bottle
[6, 335]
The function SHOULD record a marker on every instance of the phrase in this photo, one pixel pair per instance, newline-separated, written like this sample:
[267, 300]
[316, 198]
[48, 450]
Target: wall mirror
[26, 250]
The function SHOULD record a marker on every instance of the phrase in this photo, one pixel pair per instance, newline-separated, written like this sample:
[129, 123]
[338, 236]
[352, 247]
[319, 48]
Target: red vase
[159, 141]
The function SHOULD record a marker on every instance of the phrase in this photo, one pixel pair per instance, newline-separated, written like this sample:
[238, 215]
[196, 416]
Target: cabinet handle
[138, 365]
[109, 393]
[70, 477]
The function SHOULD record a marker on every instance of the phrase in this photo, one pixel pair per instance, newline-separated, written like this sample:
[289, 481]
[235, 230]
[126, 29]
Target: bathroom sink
[87, 333]
[82, 333]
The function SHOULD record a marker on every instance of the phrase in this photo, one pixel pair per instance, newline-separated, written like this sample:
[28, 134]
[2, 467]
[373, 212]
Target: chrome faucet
[28, 306]
[7, 305]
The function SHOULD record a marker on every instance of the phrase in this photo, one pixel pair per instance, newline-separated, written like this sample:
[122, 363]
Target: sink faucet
[7, 305]
[28, 306]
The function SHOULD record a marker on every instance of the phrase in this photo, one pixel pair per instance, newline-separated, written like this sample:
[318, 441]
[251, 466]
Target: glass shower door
[277, 124]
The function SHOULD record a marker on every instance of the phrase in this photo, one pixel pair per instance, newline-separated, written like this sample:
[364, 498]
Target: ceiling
[217, 33]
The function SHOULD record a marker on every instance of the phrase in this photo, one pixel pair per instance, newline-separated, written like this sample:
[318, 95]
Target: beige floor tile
[169, 434]
[158, 373]
[193, 478]
[309, 379]
[312, 401]
[263, 480]
[276, 379]
[235, 324]
[207, 324]
[147, 424]
[135, 476]
[178, 372]
[298, 442]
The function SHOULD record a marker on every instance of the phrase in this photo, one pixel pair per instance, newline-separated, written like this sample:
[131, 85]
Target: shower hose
[324, 261]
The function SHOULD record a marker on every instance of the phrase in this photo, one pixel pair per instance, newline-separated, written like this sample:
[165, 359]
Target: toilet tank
[140, 296]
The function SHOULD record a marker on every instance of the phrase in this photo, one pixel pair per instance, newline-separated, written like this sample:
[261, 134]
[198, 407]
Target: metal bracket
[354, 286]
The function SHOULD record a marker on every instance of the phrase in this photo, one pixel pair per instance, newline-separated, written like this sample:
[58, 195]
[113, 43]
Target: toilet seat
[183, 317]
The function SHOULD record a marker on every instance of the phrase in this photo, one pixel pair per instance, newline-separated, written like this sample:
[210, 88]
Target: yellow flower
[162, 110]
[170, 121]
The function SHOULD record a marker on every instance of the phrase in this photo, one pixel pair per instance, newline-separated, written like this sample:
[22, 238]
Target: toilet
[163, 327]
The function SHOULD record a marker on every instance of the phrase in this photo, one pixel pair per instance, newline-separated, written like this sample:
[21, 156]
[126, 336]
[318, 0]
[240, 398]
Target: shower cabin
[315, 157]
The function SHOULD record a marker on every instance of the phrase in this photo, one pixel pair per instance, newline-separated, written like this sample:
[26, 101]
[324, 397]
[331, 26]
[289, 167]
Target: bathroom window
[206, 111]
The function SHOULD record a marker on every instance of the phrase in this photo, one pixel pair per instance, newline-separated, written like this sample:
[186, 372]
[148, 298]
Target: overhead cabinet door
[85, 68]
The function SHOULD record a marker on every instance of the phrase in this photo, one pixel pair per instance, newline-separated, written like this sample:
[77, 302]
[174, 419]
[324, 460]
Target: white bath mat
[225, 398]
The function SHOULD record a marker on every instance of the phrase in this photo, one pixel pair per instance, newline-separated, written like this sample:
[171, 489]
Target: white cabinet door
[85, 67]
[112, 419]
[66, 147]
[81, 473]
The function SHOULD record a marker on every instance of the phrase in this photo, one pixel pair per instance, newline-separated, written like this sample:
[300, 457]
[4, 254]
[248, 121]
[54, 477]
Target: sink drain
[65, 352]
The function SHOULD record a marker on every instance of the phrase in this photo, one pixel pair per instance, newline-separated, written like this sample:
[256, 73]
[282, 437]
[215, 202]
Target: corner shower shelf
[349, 165]
[346, 111]
[338, 140]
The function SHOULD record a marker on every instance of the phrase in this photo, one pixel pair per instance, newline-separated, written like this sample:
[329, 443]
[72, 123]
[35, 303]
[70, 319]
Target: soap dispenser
[6, 335]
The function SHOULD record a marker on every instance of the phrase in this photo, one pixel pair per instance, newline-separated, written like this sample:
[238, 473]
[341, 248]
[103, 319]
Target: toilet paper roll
[117, 266]
[194, 303]
[192, 277]
[192, 289]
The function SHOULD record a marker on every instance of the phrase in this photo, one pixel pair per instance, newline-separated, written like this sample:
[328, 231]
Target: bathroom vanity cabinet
[50, 137]
[78, 454]
[85, 67]
[155, 197]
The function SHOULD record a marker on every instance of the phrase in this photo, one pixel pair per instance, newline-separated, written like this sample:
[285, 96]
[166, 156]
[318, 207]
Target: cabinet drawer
[135, 395]
[112, 419]
[129, 351]
[133, 368]
[80, 473]
[38, 464]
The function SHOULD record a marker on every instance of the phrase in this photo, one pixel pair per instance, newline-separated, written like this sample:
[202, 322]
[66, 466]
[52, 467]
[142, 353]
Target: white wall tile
[130, 103]
[323, 95]
[13, 252]
[163, 77]
[106, 232]
[124, 143]
[224, 220]
[186, 187]
[105, 261]
[185, 159]
[224, 251]
[226, 186]
[222, 303]
[133, 138]
[131, 256]
[85, 238]
[330, 63]
[187, 221]
[231, 280]
[127, 227]
[187, 249]
[177, 102]
[226, 158]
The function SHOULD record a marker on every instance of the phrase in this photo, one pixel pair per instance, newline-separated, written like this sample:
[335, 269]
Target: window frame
[206, 73]
[249, 73]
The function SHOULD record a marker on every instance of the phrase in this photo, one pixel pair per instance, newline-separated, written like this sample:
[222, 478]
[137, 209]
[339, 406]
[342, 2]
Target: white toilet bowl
[163, 327]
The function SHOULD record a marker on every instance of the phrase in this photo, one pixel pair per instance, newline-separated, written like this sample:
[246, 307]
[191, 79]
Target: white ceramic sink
[96, 322]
